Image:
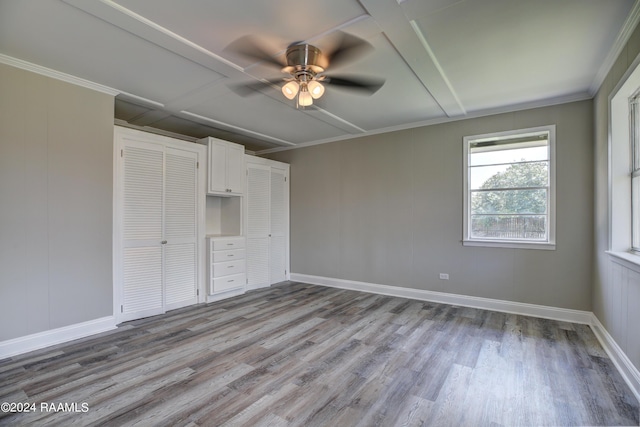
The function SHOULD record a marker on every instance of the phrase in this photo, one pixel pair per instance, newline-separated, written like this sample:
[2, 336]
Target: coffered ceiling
[441, 59]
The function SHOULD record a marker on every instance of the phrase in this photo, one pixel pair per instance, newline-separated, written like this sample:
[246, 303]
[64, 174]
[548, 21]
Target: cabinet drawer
[227, 243]
[220, 256]
[228, 282]
[227, 268]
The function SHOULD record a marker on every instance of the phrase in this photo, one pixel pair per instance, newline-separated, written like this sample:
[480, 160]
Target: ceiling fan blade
[252, 88]
[364, 85]
[251, 48]
[348, 49]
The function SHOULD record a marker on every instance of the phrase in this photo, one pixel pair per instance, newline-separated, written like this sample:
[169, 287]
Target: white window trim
[550, 244]
[620, 166]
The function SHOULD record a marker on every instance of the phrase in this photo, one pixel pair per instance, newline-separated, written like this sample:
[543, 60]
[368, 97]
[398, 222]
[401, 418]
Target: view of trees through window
[508, 207]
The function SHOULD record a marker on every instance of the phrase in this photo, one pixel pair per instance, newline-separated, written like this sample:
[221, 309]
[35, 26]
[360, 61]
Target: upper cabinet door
[217, 167]
[235, 169]
[226, 167]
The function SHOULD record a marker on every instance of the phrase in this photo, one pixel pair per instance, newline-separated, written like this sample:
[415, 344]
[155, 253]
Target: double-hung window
[634, 121]
[509, 189]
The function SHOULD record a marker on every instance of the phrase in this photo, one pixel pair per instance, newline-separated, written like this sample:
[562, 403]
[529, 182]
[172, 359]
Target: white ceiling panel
[267, 116]
[83, 46]
[504, 51]
[215, 24]
[412, 100]
[441, 60]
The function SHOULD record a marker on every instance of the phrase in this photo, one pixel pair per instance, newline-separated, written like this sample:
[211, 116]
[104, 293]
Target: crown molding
[619, 44]
[48, 72]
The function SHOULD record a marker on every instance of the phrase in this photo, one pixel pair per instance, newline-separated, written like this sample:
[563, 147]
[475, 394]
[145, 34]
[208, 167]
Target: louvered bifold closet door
[142, 289]
[258, 218]
[279, 224]
[180, 229]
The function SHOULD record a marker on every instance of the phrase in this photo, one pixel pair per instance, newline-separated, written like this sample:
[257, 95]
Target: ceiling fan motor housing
[305, 60]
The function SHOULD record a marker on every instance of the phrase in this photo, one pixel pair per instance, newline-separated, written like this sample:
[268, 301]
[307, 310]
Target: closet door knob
[164, 242]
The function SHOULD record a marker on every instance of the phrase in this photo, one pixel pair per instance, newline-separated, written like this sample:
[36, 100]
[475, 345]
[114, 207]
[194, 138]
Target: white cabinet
[226, 167]
[226, 264]
[267, 222]
[158, 224]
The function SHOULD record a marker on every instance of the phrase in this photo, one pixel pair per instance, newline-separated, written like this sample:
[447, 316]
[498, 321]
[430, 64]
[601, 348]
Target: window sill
[627, 259]
[546, 246]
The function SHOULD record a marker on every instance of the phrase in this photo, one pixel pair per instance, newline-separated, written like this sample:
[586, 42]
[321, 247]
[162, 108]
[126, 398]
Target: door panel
[158, 209]
[180, 230]
[142, 230]
[278, 223]
[258, 188]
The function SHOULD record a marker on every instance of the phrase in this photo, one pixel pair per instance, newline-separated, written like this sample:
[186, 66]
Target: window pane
[530, 227]
[635, 211]
[534, 174]
[509, 202]
[508, 155]
[635, 133]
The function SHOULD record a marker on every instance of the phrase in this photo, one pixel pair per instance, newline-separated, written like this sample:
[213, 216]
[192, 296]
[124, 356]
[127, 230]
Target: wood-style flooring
[303, 355]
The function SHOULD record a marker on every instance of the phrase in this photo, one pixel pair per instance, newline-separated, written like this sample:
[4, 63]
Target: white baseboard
[44, 339]
[545, 312]
[629, 372]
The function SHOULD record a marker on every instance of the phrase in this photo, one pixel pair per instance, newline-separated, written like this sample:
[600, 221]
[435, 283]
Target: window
[634, 122]
[510, 189]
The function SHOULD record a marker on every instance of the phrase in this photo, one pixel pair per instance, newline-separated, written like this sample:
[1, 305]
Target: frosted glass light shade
[305, 99]
[290, 90]
[315, 89]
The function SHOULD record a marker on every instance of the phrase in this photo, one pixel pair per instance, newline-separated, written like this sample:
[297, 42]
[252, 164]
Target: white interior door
[159, 210]
[180, 229]
[258, 228]
[142, 218]
[279, 220]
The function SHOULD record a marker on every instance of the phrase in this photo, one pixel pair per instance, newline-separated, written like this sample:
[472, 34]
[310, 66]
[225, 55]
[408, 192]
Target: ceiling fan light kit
[315, 89]
[290, 89]
[304, 97]
[306, 64]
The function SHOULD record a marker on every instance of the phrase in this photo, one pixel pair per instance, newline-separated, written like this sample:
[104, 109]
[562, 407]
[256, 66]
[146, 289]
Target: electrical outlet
[444, 276]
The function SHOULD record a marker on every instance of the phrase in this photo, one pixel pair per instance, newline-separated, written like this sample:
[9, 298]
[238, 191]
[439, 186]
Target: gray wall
[387, 209]
[56, 195]
[612, 298]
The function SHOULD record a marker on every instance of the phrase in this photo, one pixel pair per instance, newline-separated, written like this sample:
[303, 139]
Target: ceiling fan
[306, 67]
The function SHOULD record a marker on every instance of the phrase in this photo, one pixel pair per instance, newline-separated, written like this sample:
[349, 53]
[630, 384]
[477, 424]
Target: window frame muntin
[550, 243]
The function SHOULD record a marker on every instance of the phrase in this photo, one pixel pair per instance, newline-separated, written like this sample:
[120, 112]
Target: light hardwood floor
[303, 355]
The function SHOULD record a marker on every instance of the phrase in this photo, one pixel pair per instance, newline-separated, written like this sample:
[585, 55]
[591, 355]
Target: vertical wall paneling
[623, 307]
[56, 192]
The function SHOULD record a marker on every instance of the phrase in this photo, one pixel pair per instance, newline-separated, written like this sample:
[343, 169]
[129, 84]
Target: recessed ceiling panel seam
[239, 129]
[405, 41]
[436, 63]
[127, 20]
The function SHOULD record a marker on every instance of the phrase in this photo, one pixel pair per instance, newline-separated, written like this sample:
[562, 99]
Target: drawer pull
[230, 266]
[230, 244]
[229, 281]
[230, 255]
